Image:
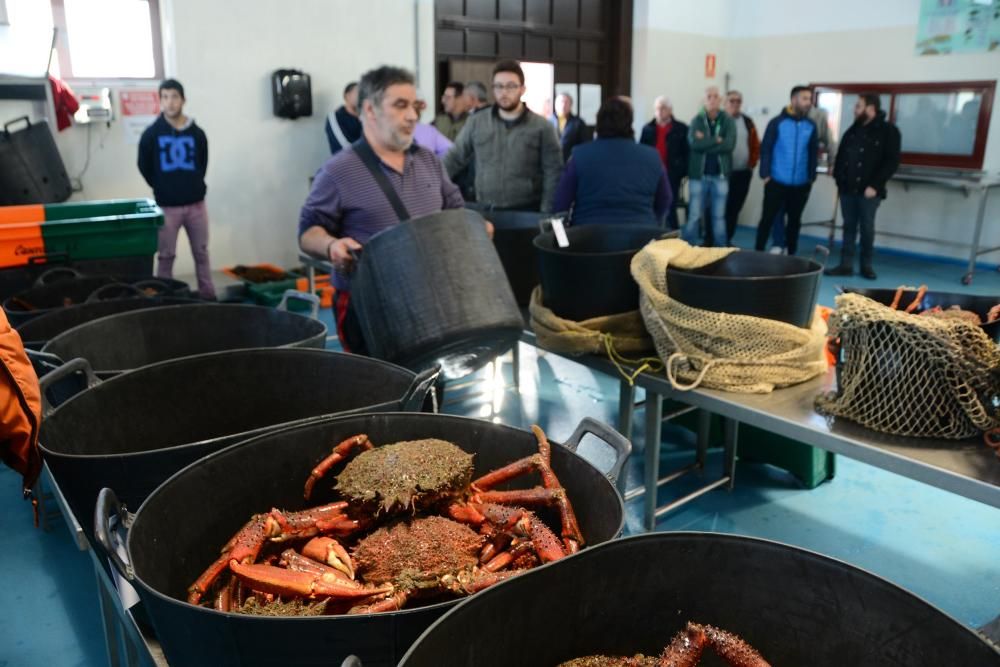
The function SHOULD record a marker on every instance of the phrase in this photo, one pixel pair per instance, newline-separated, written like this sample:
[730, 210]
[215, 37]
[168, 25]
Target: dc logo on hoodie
[176, 153]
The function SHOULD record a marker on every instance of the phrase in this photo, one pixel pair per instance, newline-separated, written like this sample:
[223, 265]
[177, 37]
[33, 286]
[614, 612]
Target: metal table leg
[654, 417]
[626, 403]
[704, 430]
[974, 253]
[731, 430]
[515, 361]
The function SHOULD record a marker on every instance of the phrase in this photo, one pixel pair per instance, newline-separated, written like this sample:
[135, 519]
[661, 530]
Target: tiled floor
[940, 546]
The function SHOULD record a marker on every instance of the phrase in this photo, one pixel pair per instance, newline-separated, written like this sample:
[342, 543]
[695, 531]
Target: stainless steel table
[967, 468]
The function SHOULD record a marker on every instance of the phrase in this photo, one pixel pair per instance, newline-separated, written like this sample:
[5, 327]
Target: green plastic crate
[810, 465]
[102, 229]
[269, 294]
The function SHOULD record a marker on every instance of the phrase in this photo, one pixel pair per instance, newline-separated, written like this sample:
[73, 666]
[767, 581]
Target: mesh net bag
[736, 353]
[616, 336]
[911, 374]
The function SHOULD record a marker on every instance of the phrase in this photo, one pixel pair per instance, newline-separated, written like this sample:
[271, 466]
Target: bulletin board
[958, 26]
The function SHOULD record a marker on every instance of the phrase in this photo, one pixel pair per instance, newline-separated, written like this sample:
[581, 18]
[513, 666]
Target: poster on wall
[958, 26]
[139, 109]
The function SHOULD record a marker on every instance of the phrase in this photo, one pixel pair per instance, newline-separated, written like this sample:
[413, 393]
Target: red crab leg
[733, 649]
[505, 558]
[686, 647]
[328, 550]
[547, 545]
[465, 513]
[470, 583]
[508, 472]
[547, 497]
[896, 298]
[224, 598]
[916, 300]
[340, 452]
[243, 547]
[394, 602]
[282, 582]
[281, 526]
[572, 537]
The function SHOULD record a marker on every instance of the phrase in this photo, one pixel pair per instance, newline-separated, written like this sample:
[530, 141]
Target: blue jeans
[859, 213]
[716, 189]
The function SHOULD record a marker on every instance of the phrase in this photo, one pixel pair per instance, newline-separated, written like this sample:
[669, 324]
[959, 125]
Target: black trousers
[739, 186]
[675, 188]
[859, 214]
[794, 198]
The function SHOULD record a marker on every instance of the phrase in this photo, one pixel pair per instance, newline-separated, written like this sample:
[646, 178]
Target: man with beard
[788, 155]
[516, 152]
[347, 206]
[868, 156]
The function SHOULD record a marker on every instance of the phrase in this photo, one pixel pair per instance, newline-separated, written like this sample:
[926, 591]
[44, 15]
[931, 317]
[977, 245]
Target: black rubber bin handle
[108, 505]
[619, 443]
[69, 368]
[422, 385]
[100, 293]
[53, 275]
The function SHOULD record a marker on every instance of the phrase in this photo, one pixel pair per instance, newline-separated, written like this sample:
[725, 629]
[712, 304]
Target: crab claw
[328, 550]
[344, 449]
[282, 582]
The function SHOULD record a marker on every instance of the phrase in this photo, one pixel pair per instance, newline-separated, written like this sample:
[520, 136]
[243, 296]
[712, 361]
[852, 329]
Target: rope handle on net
[652, 364]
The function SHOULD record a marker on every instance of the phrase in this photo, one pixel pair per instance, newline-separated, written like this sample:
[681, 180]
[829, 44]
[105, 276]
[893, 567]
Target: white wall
[767, 46]
[223, 52]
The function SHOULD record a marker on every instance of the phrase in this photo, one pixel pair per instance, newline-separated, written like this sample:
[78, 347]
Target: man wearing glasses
[746, 154]
[515, 151]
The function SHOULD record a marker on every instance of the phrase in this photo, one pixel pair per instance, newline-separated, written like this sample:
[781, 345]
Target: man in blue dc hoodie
[788, 166]
[173, 158]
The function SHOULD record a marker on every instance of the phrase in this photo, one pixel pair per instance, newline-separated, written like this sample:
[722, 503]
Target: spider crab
[685, 650]
[444, 533]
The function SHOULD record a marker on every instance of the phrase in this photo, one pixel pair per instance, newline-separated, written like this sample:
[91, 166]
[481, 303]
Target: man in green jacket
[516, 152]
[712, 137]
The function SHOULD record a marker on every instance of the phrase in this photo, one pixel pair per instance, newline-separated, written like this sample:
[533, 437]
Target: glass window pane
[942, 123]
[590, 102]
[840, 110]
[538, 83]
[24, 44]
[110, 38]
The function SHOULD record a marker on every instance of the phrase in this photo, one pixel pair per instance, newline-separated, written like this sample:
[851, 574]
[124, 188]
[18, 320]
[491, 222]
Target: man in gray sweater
[515, 151]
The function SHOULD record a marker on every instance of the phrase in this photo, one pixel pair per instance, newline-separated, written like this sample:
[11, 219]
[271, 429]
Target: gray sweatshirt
[517, 163]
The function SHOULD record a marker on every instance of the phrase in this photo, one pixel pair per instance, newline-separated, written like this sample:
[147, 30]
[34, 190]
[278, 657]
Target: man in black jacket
[669, 137]
[571, 129]
[173, 158]
[868, 156]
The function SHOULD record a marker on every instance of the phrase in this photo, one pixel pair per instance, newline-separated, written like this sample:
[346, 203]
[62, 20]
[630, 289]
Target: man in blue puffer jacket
[788, 166]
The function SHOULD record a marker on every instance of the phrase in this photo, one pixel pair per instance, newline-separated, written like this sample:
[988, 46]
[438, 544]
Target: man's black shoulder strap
[371, 161]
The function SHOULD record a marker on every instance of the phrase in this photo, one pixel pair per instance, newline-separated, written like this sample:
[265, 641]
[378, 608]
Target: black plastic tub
[631, 596]
[179, 529]
[133, 431]
[591, 277]
[513, 234]
[774, 287]
[76, 289]
[39, 330]
[980, 305]
[432, 292]
[129, 340]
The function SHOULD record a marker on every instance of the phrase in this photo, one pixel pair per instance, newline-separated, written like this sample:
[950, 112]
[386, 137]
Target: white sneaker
[777, 250]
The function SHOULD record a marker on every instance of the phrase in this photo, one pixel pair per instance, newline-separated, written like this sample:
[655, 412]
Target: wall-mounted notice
[958, 26]
[139, 109]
